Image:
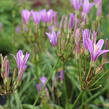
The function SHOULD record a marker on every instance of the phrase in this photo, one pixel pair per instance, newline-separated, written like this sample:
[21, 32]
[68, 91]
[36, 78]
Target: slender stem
[88, 73]
[92, 97]
[46, 82]
[100, 78]
[36, 100]
[65, 88]
[77, 99]
[53, 71]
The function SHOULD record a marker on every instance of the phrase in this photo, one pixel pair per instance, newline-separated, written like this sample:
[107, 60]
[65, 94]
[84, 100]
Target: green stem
[92, 97]
[53, 71]
[77, 99]
[36, 100]
[100, 78]
[46, 82]
[88, 75]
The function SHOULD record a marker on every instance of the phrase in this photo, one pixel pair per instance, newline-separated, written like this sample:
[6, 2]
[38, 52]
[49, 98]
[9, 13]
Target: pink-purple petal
[100, 44]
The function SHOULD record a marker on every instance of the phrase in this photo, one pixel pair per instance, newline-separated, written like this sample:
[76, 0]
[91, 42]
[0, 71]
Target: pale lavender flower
[42, 85]
[51, 28]
[53, 37]
[18, 29]
[85, 35]
[71, 21]
[96, 1]
[43, 14]
[99, 7]
[50, 15]
[26, 15]
[39, 87]
[36, 17]
[76, 4]
[21, 61]
[47, 16]
[87, 6]
[95, 49]
[43, 80]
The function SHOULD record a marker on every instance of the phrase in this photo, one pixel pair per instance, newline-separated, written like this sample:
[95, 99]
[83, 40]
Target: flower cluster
[85, 4]
[94, 48]
[42, 86]
[73, 22]
[10, 83]
[75, 45]
[71, 36]
[38, 16]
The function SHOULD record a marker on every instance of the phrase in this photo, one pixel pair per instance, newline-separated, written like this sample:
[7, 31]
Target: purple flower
[36, 16]
[51, 28]
[95, 49]
[71, 21]
[87, 6]
[85, 35]
[43, 80]
[97, 1]
[18, 29]
[21, 61]
[43, 14]
[25, 15]
[99, 7]
[53, 37]
[39, 87]
[76, 4]
[50, 15]
[47, 16]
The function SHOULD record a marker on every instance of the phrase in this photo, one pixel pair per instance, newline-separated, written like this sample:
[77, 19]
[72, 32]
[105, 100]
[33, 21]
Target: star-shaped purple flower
[87, 6]
[21, 61]
[95, 49]
[25, 15]
[53, 37]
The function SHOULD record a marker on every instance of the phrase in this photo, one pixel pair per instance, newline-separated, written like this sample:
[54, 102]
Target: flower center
[95, 48]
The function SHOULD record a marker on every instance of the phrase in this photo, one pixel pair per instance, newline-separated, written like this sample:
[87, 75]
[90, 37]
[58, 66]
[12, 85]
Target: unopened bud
[5, 67]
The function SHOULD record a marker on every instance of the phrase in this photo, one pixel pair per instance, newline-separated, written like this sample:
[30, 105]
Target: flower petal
[100, 44]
